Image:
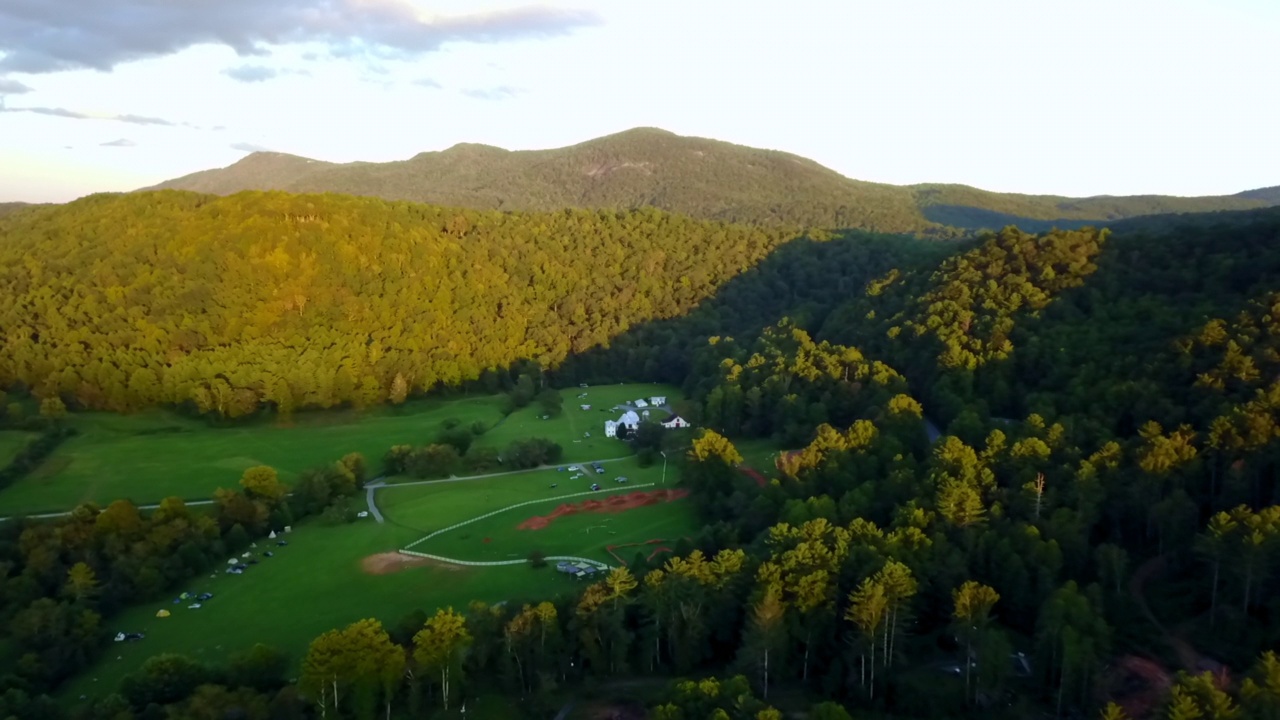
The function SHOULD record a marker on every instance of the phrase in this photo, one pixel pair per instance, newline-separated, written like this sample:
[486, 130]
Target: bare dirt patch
[390, 562]
[611, 504]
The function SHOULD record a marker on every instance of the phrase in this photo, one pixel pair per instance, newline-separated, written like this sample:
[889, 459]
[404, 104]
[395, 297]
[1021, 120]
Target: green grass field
[313, 585]
[150, 456]
[427, 508]
[318, 581]
[11, 441]
[570, 428]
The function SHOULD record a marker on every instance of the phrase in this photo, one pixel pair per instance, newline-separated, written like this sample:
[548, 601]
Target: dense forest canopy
[119, 302]
[647, 167]
[1028, 474]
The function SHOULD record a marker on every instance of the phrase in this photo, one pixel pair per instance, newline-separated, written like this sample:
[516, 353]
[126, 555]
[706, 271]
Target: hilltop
[703, 178]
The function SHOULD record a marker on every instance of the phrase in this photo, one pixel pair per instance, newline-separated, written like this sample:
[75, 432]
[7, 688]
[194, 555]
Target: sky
[1076, 97]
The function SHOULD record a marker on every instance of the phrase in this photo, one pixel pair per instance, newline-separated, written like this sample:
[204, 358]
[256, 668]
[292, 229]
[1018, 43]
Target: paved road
[369, 488]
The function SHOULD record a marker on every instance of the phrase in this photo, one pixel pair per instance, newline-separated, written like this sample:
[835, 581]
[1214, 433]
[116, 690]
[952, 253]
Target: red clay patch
[486, 541]
[611, 504]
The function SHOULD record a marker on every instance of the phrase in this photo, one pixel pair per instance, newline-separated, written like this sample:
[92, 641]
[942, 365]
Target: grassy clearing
[313, 585]
[570, 428]
[11, 442]
[426, 508]
[759, 454]
[150, 456]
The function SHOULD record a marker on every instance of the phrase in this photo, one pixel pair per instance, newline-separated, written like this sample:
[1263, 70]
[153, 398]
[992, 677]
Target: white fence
[498, 563]
[502, 510]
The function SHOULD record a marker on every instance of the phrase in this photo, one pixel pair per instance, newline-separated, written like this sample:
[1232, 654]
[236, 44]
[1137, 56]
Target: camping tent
[162, 614]
[272, 535]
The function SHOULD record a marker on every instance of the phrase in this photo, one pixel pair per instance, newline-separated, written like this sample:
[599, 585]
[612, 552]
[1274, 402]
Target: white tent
[272, 535]
[232, 561]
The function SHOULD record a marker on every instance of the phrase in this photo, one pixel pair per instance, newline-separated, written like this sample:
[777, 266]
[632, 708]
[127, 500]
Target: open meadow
[330, 576]
[153, 455]
[431, 507]
[11, 443]
[327, 577]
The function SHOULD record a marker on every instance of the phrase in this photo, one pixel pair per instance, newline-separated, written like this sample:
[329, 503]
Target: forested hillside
[1029, 474]
[647, 167]
[232, 304]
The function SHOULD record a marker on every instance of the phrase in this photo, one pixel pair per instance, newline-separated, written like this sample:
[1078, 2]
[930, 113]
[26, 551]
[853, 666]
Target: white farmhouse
[675, 421]
[629, 420]
[658, 400]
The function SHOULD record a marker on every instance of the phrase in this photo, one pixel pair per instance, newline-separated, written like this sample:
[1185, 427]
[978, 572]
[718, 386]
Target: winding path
[372, 487]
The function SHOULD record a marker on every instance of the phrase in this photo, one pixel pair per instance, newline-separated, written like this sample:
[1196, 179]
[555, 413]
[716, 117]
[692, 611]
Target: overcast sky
[1073, 97]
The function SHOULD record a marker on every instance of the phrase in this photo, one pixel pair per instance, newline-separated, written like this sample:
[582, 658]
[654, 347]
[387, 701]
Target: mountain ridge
[700, 177]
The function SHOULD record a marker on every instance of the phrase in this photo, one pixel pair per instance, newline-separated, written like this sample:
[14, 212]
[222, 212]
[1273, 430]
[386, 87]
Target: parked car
[595, 486]
[621, 480]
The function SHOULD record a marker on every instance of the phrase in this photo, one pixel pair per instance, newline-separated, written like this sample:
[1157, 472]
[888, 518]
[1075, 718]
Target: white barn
[641, 403]
[658, 400]
[630, 420]
[675, 421]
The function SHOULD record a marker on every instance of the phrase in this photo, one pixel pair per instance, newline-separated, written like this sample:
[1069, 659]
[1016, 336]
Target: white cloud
[41, 36]
[250, 73]
[76, 115]
[502, 92]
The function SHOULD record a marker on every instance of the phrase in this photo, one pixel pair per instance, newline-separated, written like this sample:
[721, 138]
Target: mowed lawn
[314, 584]
[150, 456]
[571, 426]
[11, 442]
[430, 507]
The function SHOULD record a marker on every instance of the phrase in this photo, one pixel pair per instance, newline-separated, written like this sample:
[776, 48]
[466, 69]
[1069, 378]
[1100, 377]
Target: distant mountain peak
[700, 177]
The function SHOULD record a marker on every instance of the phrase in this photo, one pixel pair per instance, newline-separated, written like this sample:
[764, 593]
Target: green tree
[82, 583]
[439, 647]
[973, 602]
[53, 408]
[262, 482]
